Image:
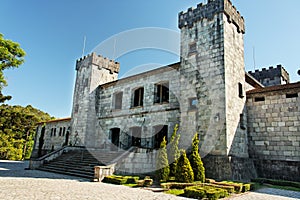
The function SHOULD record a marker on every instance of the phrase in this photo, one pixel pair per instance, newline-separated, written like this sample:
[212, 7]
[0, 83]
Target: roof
[55, 120]
[143, 74]
[275, 88]
[252, 81]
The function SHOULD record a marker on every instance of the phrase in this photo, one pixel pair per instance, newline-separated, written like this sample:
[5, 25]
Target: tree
[17, 130]
[174, 153]
[162, 165]
[196, 162]
[184, 171]
[11, 55]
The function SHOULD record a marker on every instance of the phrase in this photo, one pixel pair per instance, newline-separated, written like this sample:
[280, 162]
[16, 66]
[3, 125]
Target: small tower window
[193, 102]
[258, 99]
[138, 97]
[294, 95]
[161, 94]
[192, 48]
[241, 91]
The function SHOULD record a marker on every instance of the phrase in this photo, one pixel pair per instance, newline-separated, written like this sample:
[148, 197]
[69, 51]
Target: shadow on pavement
[279, 192]
[19, 169]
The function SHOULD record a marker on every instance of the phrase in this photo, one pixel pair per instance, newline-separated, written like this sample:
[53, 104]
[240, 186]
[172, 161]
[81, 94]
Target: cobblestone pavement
[17, 183]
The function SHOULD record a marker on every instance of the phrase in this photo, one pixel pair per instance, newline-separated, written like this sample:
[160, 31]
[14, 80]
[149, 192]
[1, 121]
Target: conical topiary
[162, 164]
[184, 171]
[173, 153]
[196, 162]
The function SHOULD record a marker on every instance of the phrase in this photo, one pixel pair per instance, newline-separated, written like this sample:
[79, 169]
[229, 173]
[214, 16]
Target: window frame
[159, 93]
[140, 100]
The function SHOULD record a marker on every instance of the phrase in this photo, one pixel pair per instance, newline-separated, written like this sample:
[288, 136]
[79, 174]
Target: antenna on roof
[83, 49]
[254, 62]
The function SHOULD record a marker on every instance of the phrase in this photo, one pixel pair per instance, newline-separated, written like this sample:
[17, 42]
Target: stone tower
[92, 71]
[213, 78]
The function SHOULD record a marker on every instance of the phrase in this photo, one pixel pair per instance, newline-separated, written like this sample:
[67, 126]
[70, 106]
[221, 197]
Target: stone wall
[147, 116]
[51, 136]
[271, 76]
[274, 127]
[92, 71]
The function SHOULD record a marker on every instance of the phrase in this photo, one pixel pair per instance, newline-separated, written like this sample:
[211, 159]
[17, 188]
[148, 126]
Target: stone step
[87, 176]
[80, 163]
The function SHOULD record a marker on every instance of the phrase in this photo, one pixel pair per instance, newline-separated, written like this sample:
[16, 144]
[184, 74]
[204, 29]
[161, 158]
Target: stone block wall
[51, 136]
[274, 131]
[147, 116]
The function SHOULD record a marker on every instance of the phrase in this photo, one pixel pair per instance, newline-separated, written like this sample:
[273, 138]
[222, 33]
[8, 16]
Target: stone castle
[248, 122]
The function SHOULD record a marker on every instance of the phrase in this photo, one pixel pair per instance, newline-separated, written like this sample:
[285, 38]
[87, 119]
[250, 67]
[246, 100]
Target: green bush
[196, 162]
[229, 189]
[184, 171]
[148, 182]
[246, 187]
[173, 151]
[162, 166]
[209, 192]
[120, 180]
[238, 187]
[175, 185]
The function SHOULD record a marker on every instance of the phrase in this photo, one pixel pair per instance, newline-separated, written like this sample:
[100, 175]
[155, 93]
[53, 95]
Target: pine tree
[162, 165]
[174, 153]
[184, 171]
[196, 162]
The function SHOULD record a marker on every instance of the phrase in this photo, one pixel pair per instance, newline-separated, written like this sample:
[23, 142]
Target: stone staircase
[81, 163]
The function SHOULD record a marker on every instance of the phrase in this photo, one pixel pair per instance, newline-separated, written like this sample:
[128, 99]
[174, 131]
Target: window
[138, 97]
[136, 136]
[192, 48]
[51, 133]
[54, 132]
[241, 92]
[258, 99]
[161, 93]
[193, 102]
[160, 132]
[295, 95]
[60, 131]
[117, 101]
[242, 122]
[64, 131]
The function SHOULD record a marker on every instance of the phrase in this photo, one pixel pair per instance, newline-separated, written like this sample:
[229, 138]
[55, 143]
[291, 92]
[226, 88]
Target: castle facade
[248, 122]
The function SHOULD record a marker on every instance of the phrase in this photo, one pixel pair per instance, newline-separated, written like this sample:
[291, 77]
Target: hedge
[200, 192]
[120, 180]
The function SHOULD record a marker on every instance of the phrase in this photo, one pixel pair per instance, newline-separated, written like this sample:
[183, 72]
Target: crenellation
[208, 11]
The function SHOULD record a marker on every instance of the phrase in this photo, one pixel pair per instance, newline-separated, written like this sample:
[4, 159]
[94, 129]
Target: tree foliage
[17, 130]
[184, 171]
[162, 164]
[11, 55]
[196, 162]
[174, 152]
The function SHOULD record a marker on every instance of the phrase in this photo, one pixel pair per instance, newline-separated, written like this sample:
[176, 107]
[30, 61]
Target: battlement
[99, 60]
[271, 76]
[209, 10]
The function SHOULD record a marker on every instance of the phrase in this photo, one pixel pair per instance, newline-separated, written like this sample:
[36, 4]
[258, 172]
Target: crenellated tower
[213, 75]
[91, 71]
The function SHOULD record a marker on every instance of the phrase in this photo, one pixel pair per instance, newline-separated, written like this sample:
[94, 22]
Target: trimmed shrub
[184, 171]
[238, 187]
[196, 162]
[120, 180]
[200, 192]
[175, 185]
[173, 151]
[162, 165]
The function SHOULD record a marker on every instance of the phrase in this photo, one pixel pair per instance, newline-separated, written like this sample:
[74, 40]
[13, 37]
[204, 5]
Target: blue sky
[52, 31]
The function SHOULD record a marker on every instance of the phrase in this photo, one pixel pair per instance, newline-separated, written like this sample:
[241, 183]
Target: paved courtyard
[17, 183]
